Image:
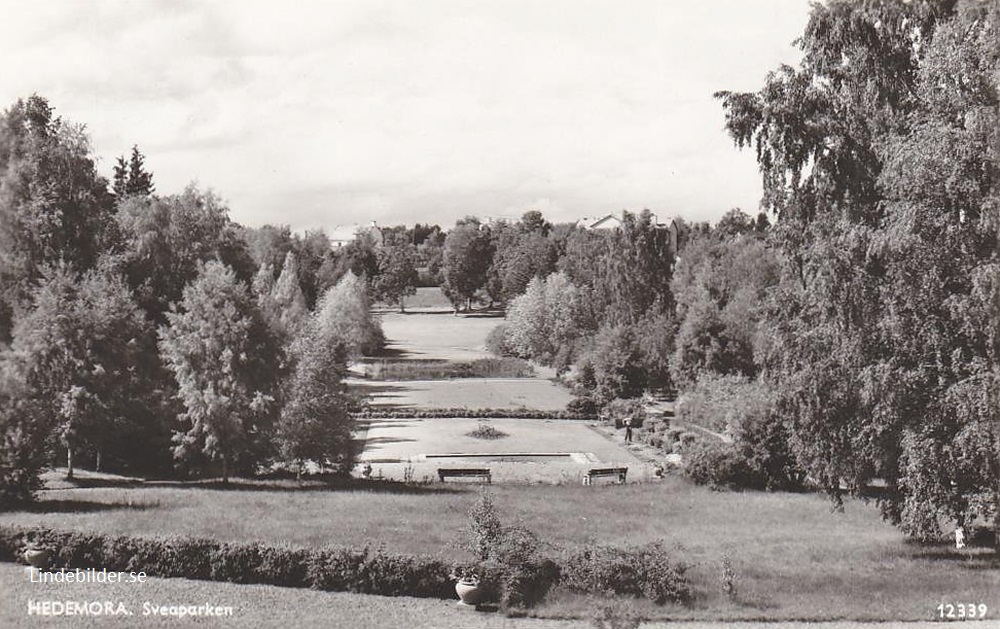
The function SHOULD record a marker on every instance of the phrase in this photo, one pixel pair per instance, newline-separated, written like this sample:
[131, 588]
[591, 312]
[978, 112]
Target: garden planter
[469, 591]
[37, 557]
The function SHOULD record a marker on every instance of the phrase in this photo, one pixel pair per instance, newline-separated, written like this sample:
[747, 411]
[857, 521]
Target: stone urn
[469, 591]
[37, 557]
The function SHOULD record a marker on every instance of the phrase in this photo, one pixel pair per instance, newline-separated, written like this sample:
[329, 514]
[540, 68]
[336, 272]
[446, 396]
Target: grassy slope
[793, 557]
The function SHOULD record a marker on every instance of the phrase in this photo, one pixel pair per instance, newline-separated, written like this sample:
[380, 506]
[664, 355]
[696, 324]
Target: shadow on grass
[368, 424]
[88, 506]
[378, 440]
[312, 483]
[387, 353]
[99, 483]
[392, 360]
[382, 390]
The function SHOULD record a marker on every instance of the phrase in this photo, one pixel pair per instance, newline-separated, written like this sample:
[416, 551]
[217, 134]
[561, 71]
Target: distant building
[608, 221]
[615, 220]
[345, 234]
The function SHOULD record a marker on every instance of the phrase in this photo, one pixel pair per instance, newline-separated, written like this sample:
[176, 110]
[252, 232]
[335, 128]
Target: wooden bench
[598, 472]
[481, 472]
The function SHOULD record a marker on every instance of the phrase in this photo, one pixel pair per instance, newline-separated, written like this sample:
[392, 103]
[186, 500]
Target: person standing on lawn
[628, 430]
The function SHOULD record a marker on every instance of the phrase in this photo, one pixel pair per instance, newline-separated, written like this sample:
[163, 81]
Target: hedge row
[328, 569]
[474, 413]
[644, 571]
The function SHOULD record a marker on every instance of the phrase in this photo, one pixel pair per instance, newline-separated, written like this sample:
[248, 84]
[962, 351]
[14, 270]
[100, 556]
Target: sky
[319, 114]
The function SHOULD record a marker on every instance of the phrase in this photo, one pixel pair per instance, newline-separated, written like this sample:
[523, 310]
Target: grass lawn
[426, 298]
[437, 334]
[793, 558]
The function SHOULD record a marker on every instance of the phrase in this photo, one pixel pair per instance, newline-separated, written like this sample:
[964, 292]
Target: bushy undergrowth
[583, 405]
[510, 567]
[642, 571]
[438, 370]
[759, 456]
[718, 464]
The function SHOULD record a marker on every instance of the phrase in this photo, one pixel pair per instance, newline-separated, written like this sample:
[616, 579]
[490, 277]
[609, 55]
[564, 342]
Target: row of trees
[596, 300]
[148, 333]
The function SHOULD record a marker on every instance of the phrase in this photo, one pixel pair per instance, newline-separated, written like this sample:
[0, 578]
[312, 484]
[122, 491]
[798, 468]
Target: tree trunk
[69, 462]
[98, 465]
[225, 469]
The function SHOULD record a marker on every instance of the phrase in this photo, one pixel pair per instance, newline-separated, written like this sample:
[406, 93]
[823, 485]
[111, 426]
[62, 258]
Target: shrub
[496, 341]
[582, 406]
[747, 410]
[510, 569]
[485, 431]
[644, 571]
[717, 464]
[24, 430]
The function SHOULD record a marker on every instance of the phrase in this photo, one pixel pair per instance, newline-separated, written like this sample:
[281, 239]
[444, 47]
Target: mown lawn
[793, 557]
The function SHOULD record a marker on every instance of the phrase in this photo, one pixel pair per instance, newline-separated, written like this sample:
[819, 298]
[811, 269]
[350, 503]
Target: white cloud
[328, 112]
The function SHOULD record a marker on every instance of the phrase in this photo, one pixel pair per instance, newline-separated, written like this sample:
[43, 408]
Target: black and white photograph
[520, 314]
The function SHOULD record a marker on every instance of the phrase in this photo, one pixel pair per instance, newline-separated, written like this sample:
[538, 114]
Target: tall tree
[54, 207]
[315, 424]
[344, 313]
[166, 238]
[879, 159]
[466, 262]
[221, 352]
[397, 271]
[131, 177]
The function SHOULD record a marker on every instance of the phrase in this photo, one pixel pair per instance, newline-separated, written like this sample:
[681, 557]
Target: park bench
[598, 472]
[481, 472]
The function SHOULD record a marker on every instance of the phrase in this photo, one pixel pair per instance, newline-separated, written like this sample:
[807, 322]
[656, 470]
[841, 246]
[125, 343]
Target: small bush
[716, 464]
[510, 568]
[496, 341]
[485, 431]
[645, 571]
[582, 406]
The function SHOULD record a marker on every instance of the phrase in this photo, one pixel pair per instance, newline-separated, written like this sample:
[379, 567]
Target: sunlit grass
[793, 556]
